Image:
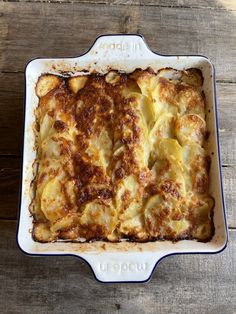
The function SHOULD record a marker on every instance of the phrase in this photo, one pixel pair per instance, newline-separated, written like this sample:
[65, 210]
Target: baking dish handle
[123, 267]
[123, 45]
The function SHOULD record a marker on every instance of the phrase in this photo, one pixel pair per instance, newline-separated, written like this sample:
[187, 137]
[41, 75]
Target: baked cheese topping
[121, 156]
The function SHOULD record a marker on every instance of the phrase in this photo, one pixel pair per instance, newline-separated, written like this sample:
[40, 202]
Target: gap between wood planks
[127, 3]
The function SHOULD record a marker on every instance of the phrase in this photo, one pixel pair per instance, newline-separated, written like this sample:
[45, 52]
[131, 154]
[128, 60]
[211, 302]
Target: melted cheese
[190, 128]
[121, 156]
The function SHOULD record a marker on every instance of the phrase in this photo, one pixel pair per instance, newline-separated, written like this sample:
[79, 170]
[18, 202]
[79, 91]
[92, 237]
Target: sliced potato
[146, 81]
[203, 232]
[192, 77]
[192, 152]
[164, 97]
[170, 74]
[179, 227]
[169, 179]
[53, 200]
[42, 232]
[97, 215]
[100, 149]
[45, 127]
[133, 227]
[51, 148]
[49, 168]
[168, 148]
[163, 128]
[203, 226]
[46, 83]
[77, 83]
[129, 206]
[112, 77]
[158, 218]
[70, 192]
[155, 214]
[127, 194]
[58, 146]
[190, 128]
[196, 167]
[144, 105]
[191, 100]
[65, 222]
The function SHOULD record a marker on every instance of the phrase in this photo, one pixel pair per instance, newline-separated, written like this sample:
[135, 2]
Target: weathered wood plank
[9, 189]
[43, 29]
[226, 93]
[180, 284]
[207, 4]
[11, 114]
[229, 183]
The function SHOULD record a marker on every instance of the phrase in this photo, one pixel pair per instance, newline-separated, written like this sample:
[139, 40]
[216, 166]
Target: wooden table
[180, 284]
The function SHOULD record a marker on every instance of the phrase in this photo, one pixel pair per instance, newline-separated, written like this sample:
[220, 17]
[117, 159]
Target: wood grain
[229, 183]
[9, 189]
[180, 284]
[226, 93]
[11, 113]
[43, 29]
[206, 4]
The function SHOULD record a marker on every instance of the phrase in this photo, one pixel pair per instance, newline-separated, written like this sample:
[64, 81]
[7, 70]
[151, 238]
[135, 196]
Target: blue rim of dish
[219, 165]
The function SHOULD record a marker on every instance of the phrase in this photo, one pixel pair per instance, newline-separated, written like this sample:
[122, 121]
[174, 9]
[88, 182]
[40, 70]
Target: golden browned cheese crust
[121, 156]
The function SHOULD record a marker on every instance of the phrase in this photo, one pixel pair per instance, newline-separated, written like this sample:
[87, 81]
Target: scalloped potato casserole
[122, 156]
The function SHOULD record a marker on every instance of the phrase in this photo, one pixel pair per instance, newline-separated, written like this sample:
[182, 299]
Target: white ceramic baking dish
[120, 262]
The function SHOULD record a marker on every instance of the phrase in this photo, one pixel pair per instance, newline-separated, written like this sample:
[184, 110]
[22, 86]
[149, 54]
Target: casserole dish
[123, 261]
